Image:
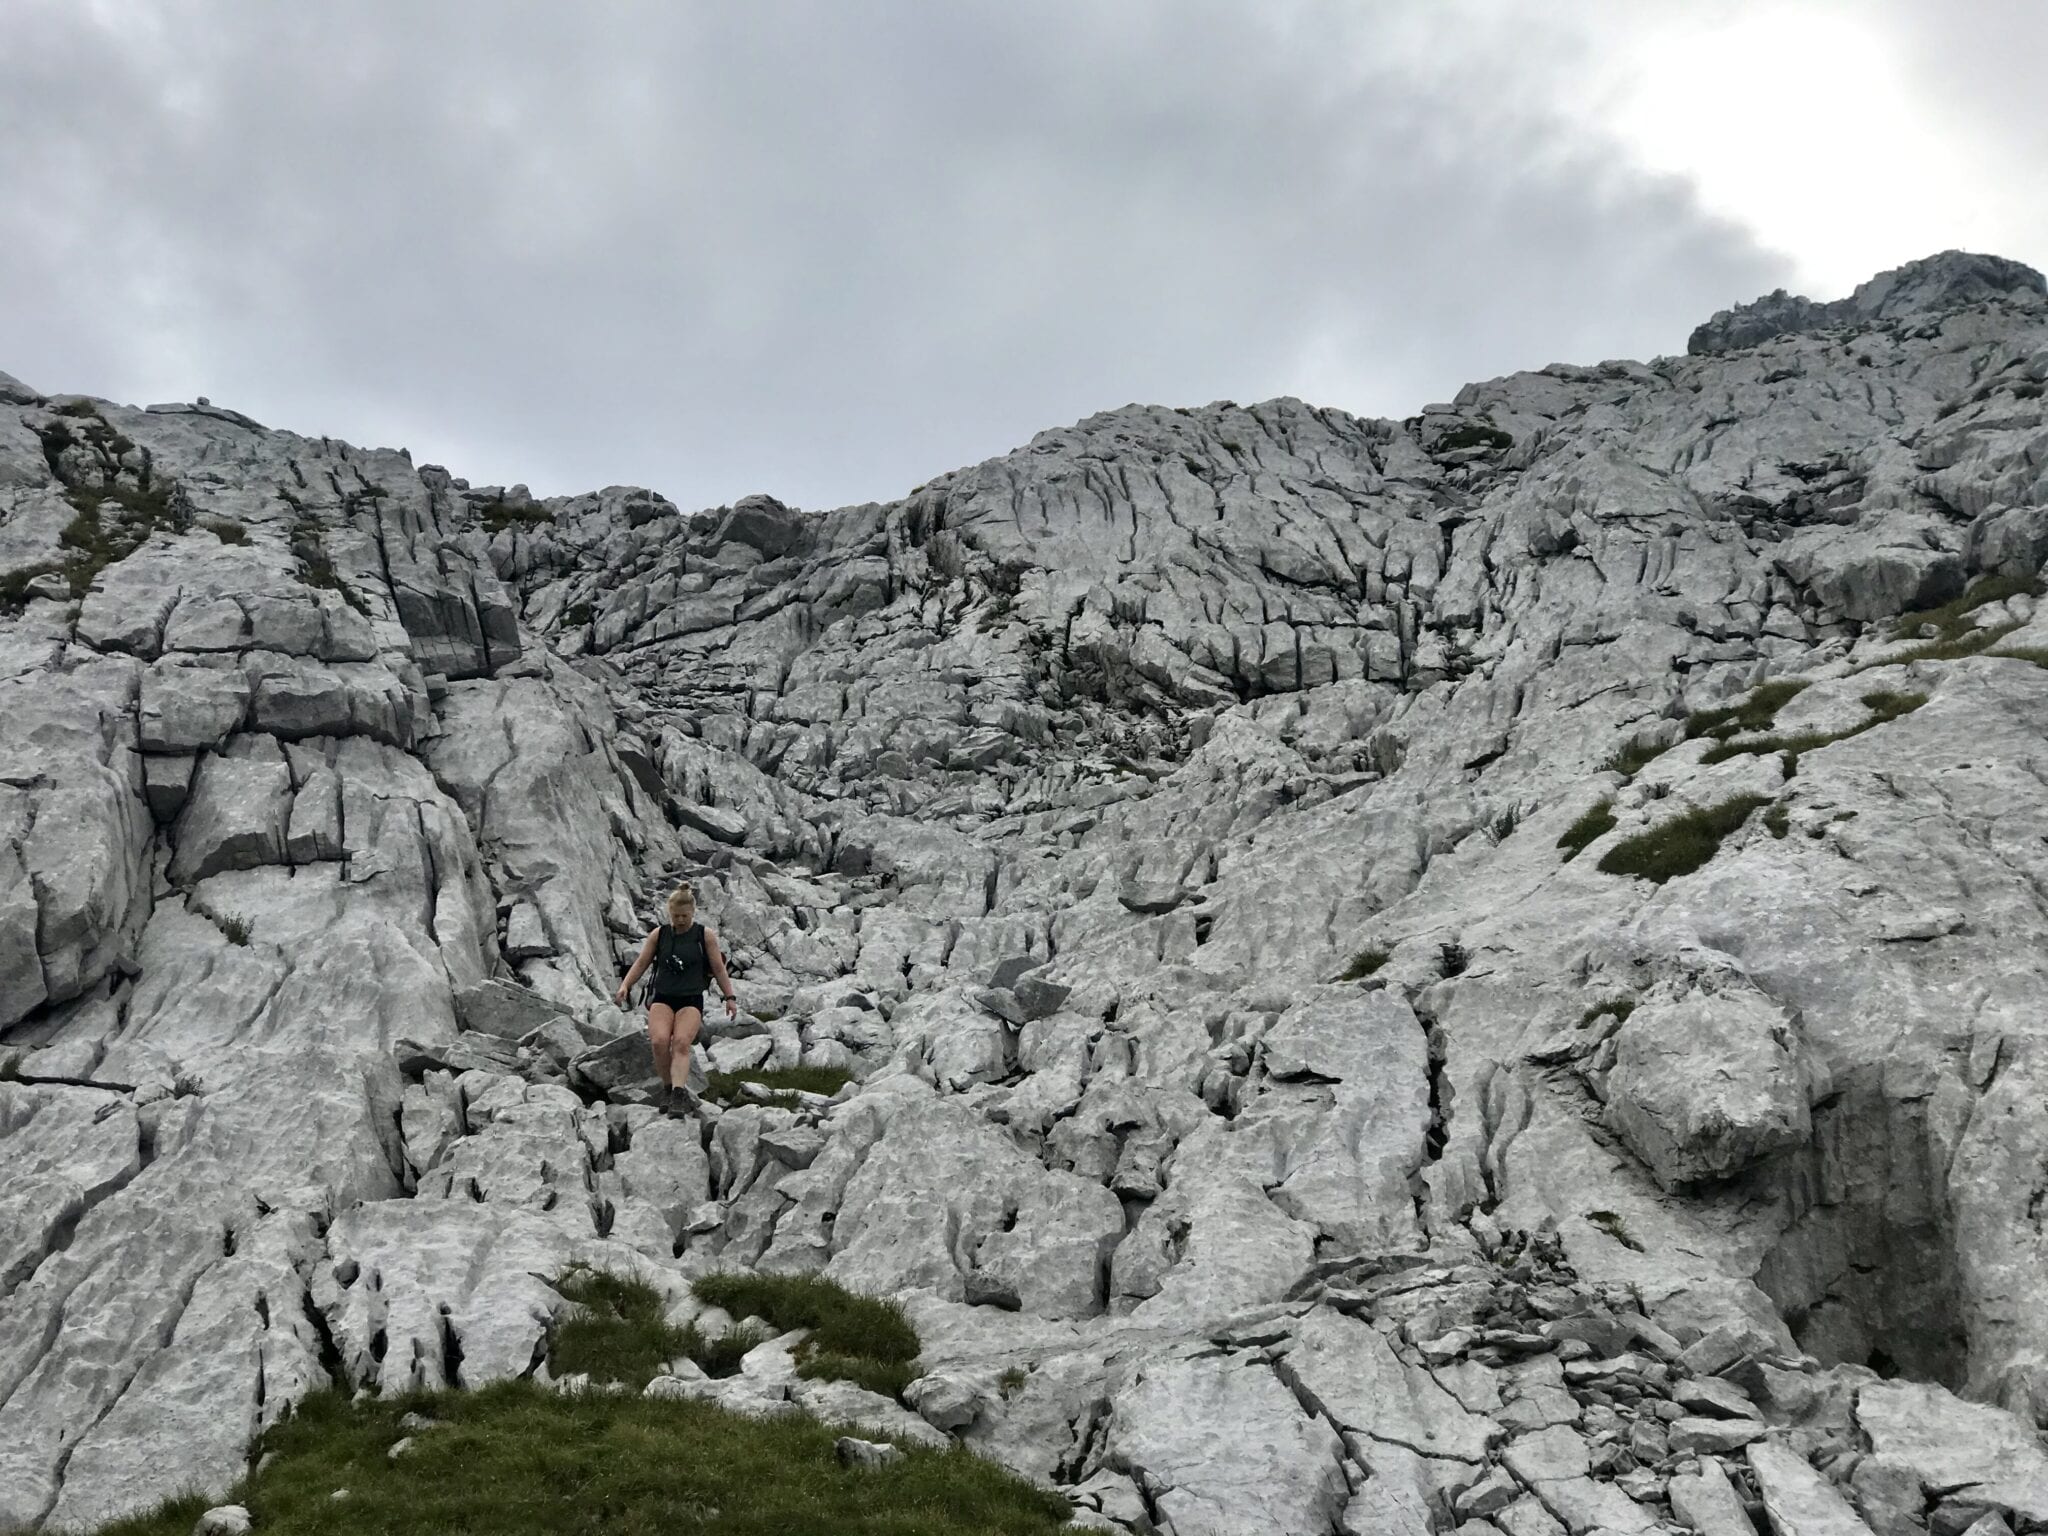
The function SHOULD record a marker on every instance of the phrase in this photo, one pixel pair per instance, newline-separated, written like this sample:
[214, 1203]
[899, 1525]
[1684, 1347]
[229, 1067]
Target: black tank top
[682, 964]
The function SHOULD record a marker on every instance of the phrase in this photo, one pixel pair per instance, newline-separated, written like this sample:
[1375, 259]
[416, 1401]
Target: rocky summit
[1484, 972]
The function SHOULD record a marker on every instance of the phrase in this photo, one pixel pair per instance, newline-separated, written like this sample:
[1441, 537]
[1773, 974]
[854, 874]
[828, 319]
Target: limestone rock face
[1707, 1085]
[1476, 972]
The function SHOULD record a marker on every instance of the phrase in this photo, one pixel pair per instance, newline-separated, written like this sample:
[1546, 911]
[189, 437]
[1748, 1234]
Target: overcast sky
[829, 249]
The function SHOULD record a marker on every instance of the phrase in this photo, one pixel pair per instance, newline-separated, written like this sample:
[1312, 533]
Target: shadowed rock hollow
[1315, 1070]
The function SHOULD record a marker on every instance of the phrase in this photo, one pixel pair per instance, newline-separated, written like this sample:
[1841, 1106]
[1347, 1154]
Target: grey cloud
[820, 250]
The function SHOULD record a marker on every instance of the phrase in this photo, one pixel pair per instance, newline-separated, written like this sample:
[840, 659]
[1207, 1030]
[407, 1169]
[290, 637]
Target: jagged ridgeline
[1334, 975]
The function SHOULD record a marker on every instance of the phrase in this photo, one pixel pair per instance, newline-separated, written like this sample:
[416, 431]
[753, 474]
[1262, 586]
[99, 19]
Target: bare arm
[717, 959]
[640, 964]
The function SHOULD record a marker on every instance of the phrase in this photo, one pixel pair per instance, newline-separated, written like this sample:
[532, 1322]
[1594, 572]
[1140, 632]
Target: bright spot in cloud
[1805, 123]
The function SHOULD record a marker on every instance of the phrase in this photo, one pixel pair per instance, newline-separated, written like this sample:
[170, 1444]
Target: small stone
[855, 1452]
[338, 1495]
[417, 1423]
[1527, 1517]
[223, 1520]
[1547, 1455]
[1490, 1495]
[399, 1448]
[1715, 1437]
[1707, 1502]
[1712, 1397]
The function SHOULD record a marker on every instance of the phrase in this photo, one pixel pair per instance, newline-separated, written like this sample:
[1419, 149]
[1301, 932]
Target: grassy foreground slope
[517, 1459]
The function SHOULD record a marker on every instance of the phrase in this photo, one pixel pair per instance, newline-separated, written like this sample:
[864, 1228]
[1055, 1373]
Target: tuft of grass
[1755, 713]
[1685, 843]
[1884, 706]
[2038, 655]
[227, 530]
[235, 930]
[1619, 1009]
[1950, 619]
[14, 585]
[1011, 1381]
[787, 1083]
[1633, 758]
[855, 1338]
[577, 613]
[1595, 824]
[514, 1459]
[1473, 434]
[501, 514]
[79, 408]
[1778, 821]
[316, 568]
[1365, 963]
[1453, 958]
[1614, 1227]
[174, 1517]
[617, 1333]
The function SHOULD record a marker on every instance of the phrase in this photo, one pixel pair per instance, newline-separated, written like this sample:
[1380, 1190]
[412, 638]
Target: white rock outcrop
[1487, 968]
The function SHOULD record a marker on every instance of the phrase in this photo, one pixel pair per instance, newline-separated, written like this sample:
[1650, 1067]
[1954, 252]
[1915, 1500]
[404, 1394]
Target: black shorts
[678, 1000]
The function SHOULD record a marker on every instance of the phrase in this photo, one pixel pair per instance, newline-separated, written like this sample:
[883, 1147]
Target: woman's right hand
[619, 997]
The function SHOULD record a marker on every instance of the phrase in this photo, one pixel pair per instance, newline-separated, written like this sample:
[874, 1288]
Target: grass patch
[2038, 655]
[1595, 824]
[1685, 843]
[577, 613]
[1366, 963]
[1971, 644]
[227, 530]
[502, 514]
[618, 1333]
[853, 1338]
[1778, 821]
[1755, 713]
[1633, 758]
[108, 524]
[1884, 705]
[1619, 1010]
[1473, 434]
[1011, 1381]
[235, 930]
[14, 585]
[1950, 618]
[1614, 1227]
[517, 1460]
[784, 1083]
[316, 568]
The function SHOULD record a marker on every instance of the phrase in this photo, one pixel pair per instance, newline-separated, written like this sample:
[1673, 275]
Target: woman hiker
[685, 957]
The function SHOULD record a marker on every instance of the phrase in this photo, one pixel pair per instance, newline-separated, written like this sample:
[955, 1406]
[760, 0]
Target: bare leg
[688, 1022]
[660, 1021]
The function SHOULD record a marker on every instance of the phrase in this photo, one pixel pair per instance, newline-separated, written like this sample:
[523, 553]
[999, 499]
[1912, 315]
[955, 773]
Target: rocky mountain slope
[1489, 968]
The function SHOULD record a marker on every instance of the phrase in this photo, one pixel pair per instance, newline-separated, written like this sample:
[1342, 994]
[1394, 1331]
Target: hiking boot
[680, 1101]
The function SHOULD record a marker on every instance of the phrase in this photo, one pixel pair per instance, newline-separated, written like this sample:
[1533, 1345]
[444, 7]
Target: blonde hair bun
[679, 896]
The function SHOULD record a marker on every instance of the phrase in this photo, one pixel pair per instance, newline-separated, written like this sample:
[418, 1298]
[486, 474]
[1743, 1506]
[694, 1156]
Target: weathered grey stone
[504, 1009]
[1707, 1084]
[1967, 1450]
[624, 1062]
[854, 1452]
[1178, 1428]
[236, 817]
[1714, 1437]
[1708, 1502]
[1798, 1499]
